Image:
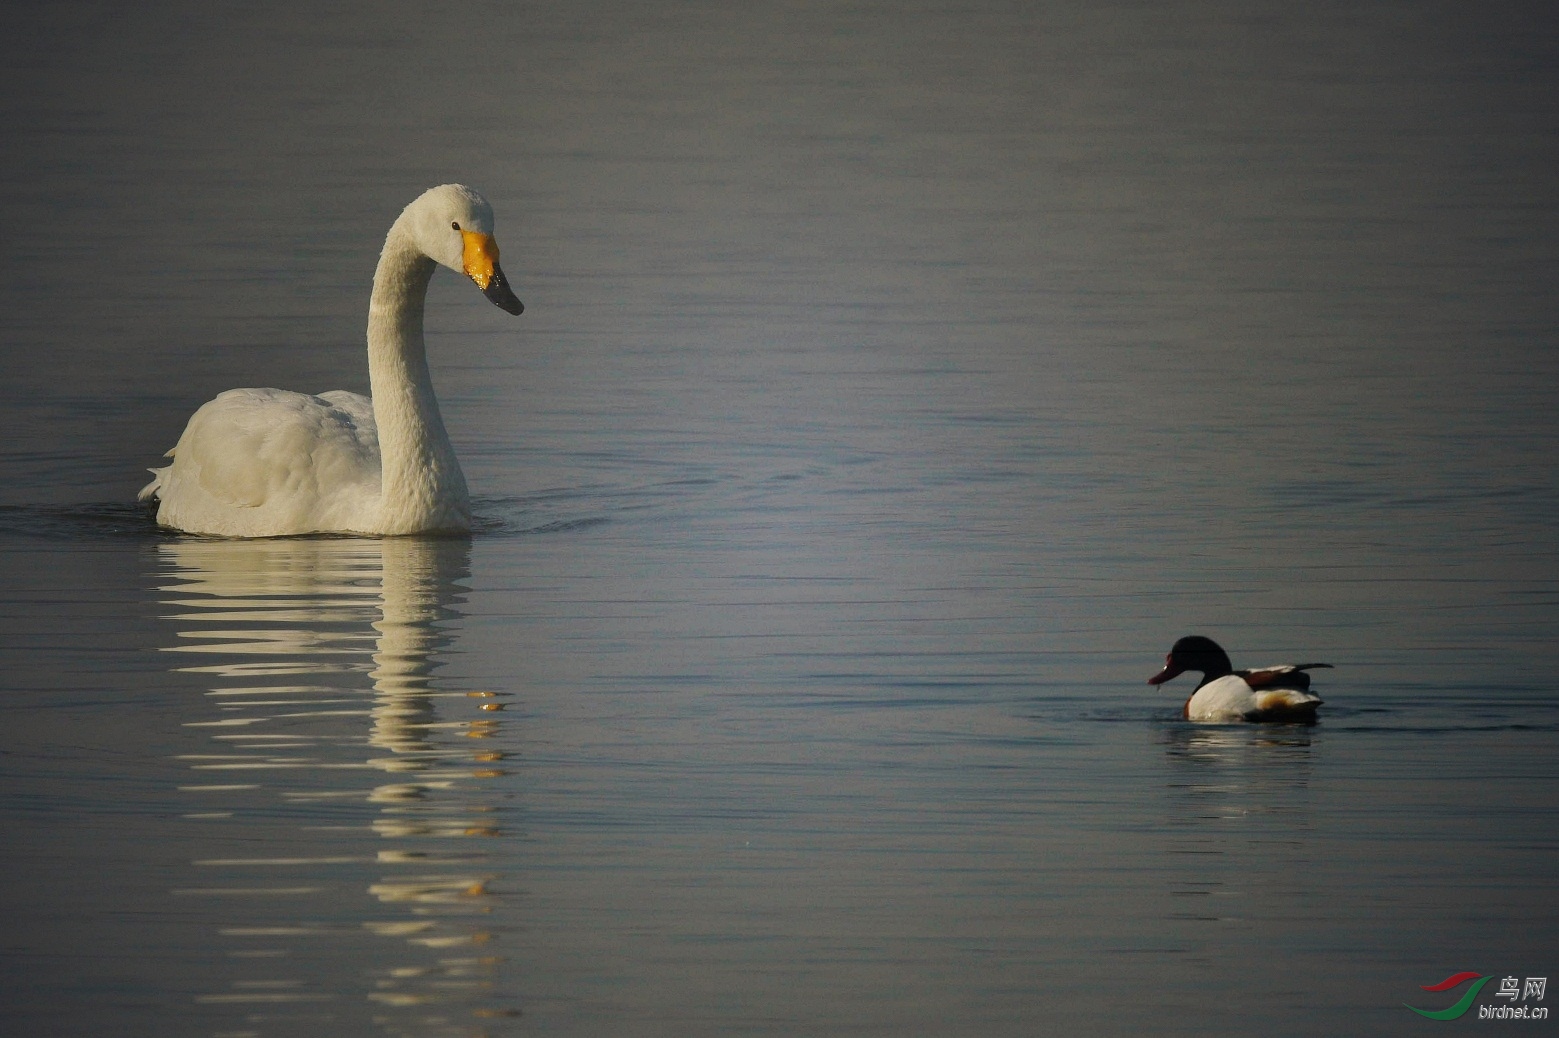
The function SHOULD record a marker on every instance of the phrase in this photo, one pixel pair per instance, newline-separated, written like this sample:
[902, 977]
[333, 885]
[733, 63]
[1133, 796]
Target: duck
[274, 463]
[1278, 693]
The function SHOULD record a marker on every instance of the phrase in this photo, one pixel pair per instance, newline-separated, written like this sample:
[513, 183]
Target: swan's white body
[1231, 698]
[271, 463]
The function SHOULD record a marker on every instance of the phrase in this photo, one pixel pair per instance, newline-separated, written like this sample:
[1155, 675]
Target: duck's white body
[271, 463]
[1280, 693]
[1231, 698]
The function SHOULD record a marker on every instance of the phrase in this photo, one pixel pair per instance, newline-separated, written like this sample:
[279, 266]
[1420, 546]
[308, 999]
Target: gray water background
[897, 383]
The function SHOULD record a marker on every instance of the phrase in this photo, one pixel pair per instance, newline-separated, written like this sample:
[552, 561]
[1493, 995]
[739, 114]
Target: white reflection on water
[1239, 828]
[342, 762]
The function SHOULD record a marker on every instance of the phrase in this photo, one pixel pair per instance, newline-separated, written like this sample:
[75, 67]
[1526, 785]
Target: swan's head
[453, 225]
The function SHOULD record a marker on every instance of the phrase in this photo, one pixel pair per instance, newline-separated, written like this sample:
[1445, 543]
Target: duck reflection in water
[297, 634]
[1237, 835]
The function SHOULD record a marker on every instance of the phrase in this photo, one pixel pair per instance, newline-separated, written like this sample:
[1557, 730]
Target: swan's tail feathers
[150, 490]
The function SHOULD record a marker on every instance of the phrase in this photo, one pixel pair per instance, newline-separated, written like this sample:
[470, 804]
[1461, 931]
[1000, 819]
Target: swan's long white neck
[422, 488]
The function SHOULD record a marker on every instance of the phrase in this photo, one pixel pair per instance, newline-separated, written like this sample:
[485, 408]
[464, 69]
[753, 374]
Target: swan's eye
[455, 225]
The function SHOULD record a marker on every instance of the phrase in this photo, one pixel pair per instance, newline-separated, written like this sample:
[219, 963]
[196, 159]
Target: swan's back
[267, 462]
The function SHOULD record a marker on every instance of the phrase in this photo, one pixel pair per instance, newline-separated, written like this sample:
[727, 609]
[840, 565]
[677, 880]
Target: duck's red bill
[1165, 674]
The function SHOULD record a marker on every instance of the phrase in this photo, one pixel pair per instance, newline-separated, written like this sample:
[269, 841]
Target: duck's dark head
[1196, 653]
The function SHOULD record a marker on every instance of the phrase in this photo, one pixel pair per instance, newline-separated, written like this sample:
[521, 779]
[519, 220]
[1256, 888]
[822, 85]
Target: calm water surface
[896, 384]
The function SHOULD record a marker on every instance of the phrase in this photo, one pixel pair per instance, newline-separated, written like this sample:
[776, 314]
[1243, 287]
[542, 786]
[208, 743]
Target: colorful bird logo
[1447, 984]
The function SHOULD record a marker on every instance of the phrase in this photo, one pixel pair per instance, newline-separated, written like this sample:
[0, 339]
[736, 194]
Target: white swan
[269, 463]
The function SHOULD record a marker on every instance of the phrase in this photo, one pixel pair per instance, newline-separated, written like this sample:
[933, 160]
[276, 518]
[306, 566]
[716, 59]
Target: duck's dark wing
[1285, 676]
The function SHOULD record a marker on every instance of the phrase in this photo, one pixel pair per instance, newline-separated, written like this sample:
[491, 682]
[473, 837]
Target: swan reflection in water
[372, 832]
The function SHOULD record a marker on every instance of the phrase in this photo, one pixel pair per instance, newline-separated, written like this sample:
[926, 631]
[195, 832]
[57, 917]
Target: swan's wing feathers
[248, 448]
[355, 406]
